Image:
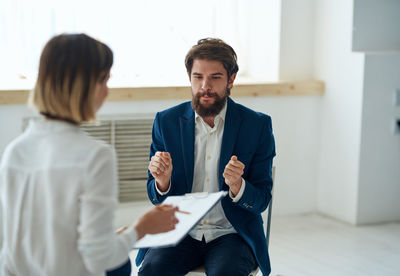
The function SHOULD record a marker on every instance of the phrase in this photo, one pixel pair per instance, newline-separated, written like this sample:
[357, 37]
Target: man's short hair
[213, 49]
[70, 66]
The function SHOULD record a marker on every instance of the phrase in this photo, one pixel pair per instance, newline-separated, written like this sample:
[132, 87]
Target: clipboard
[197, 204]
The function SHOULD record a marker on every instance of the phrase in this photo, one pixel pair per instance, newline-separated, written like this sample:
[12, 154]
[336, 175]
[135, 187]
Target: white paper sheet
[197, 204]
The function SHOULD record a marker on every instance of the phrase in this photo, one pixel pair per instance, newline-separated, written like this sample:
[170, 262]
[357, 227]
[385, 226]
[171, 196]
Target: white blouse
[58, 195]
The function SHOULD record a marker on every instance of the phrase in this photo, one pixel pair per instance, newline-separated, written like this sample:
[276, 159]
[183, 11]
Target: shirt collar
[46, 125]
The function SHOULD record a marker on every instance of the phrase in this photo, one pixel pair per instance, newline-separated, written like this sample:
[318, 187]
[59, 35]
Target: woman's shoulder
[90, 147]
[13, 149]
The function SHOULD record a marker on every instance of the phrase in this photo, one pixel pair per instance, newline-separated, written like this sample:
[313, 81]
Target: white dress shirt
[207, 149]
[58, 195]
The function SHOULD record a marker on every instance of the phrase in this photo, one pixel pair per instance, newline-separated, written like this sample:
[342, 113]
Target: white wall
[298, 126]
[376, 30]
[376, 26]
[342, 70]
[261, 15]
[296, 40]
[379, 187]
[297, 132]
[359, 162]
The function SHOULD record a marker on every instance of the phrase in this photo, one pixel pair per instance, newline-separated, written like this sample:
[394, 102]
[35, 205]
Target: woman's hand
[159, 219]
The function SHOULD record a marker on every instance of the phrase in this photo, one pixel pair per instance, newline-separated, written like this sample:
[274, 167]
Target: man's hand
[233, 174]
[160, 167]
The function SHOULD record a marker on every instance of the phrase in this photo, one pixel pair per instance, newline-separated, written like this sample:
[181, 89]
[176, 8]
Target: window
[149, 38]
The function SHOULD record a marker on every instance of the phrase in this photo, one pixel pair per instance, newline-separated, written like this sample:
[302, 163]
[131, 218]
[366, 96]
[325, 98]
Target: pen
[183, 212]
[164, 207]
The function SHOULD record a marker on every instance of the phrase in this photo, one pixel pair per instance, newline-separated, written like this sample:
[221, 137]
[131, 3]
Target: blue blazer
[248, 135]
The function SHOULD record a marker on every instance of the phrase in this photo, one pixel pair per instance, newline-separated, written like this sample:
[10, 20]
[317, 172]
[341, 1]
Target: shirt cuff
[240, 193]
[162, 193]
[130, 234]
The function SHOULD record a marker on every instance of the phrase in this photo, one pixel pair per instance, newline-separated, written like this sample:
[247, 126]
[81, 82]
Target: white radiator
[131, 138]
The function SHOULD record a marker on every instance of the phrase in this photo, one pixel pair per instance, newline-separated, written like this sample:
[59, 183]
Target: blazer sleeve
[257, 193]
[157, 144]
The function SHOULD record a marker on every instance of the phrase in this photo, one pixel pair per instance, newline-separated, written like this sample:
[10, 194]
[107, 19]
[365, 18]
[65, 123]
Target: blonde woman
[58, 187]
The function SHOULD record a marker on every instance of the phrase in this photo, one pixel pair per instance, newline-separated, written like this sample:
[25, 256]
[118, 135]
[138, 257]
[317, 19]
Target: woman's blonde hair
[70, 66]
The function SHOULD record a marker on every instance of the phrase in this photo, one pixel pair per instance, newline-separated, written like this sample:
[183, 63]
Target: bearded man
[208, 145]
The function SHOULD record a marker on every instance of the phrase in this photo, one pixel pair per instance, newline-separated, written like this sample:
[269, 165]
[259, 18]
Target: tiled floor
[313, 245]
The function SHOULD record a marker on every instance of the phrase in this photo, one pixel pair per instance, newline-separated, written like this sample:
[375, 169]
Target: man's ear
[231, 80]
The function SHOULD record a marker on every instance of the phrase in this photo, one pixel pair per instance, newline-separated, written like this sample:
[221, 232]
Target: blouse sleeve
[101, 249]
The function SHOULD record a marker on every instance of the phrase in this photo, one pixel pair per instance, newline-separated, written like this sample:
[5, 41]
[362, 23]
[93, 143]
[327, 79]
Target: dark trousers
[226, 255]
[123, 270]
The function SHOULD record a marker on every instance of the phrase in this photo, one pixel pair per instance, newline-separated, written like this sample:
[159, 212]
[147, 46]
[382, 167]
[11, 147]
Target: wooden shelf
[293, 88]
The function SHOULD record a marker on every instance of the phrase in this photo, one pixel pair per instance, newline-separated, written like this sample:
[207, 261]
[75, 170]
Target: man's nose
[206, 85]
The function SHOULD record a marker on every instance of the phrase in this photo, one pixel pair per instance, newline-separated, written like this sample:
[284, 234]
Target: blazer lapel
[186, 122]
[231, 128]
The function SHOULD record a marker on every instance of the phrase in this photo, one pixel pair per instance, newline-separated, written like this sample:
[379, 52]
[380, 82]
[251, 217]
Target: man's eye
[216, 78]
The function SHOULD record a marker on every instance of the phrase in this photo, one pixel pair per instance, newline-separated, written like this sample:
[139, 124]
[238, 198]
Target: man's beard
[212, 110]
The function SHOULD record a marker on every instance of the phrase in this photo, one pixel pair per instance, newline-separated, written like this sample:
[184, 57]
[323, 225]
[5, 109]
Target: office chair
[201, 270]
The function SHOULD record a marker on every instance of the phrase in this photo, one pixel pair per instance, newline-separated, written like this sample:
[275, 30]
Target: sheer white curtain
[149, 38]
